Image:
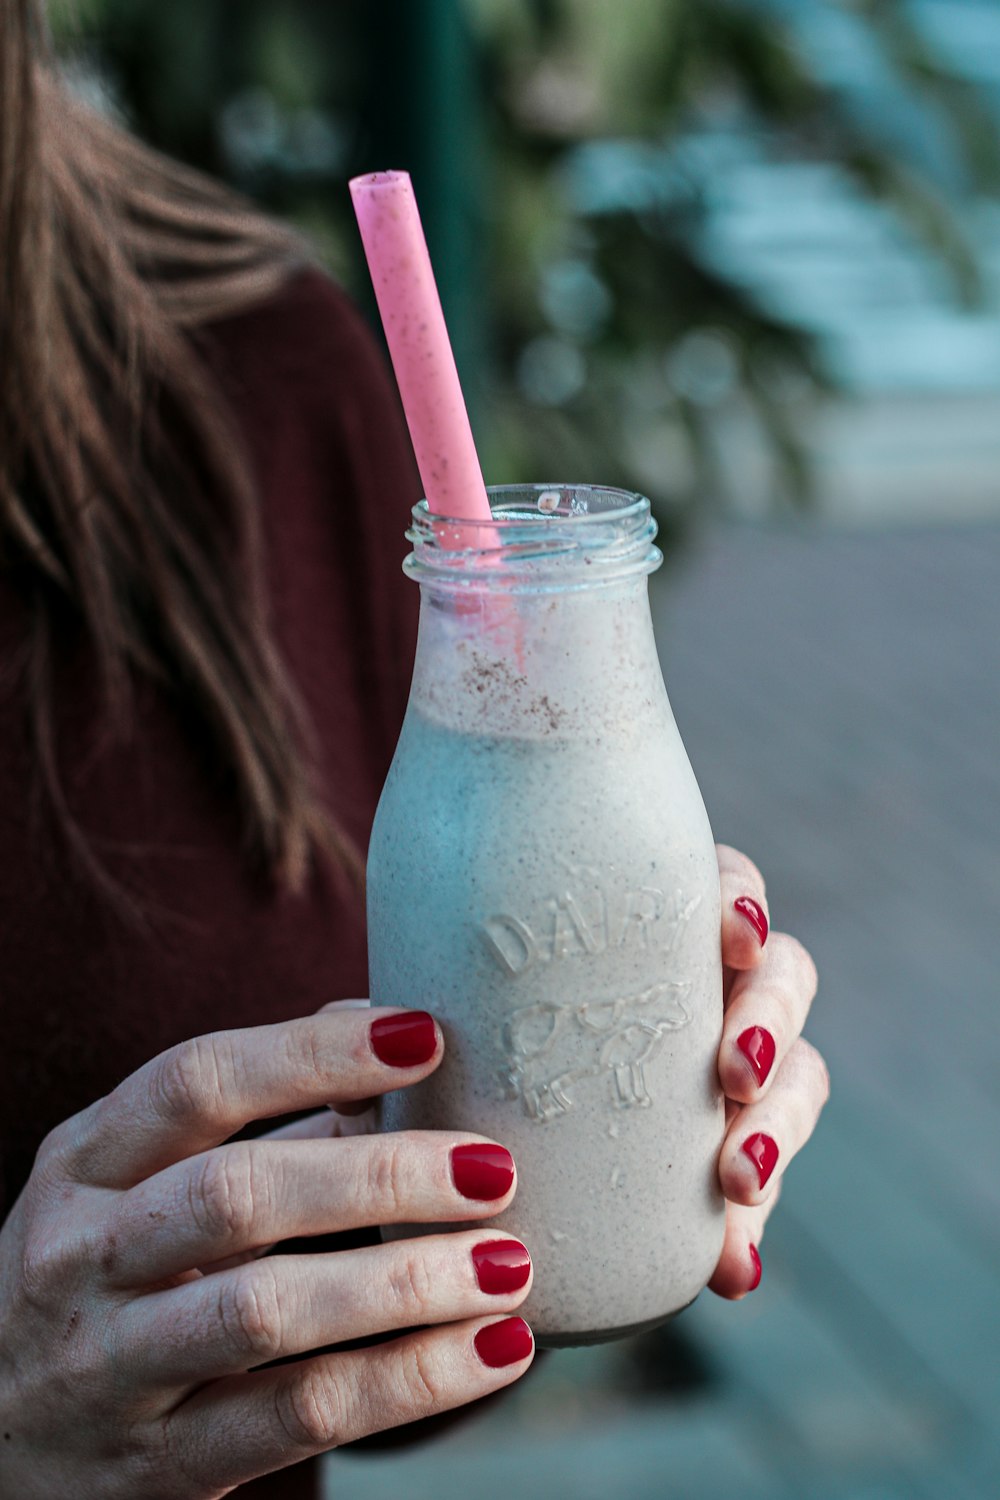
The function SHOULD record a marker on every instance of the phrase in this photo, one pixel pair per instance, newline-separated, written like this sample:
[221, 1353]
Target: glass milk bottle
[542, 878]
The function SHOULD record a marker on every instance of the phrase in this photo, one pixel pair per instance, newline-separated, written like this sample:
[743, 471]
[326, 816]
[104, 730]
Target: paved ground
[840, 698]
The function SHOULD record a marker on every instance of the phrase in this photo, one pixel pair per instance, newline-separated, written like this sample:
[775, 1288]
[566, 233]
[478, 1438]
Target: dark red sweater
[85, 1001]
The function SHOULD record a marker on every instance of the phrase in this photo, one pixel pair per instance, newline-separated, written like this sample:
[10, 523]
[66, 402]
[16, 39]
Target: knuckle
[56, 1146]
[104, 1250]
[385, 1185]
[250, 1313]
[74, 1150]
[47, 1267]
[307, 1062]
[313, 1409]
[811, 1086]
[735, 863]
[186, 1083]
[411, 1287]
[65, 1156]
[48, 1186]
[37, 1269]
[421, 1387]
[787, 981]
[800, 962]
[222, 1195]
[782, 1000]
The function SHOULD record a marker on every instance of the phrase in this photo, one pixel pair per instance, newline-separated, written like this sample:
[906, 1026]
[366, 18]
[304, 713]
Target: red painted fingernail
[405, 1040]
[763, 1152]
[482, 1171]
[501, 1266]
[748, 907]
[500, 1344]
[757, 1268]
[757, 1046]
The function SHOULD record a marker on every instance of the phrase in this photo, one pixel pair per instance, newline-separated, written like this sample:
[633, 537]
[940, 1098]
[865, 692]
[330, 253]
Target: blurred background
[743, 255]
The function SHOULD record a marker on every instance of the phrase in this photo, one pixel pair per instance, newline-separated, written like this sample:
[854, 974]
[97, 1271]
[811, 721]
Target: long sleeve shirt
[84, 999]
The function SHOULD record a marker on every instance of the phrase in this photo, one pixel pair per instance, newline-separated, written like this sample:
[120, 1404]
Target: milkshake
[542, 877]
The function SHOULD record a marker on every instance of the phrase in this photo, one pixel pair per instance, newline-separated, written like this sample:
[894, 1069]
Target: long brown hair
[109, 254]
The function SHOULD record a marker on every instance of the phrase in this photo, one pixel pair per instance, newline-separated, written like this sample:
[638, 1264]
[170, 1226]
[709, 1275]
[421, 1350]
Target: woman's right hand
[135, 1305]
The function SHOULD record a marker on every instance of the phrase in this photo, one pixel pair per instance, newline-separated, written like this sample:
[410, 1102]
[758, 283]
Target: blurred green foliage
[596, 337]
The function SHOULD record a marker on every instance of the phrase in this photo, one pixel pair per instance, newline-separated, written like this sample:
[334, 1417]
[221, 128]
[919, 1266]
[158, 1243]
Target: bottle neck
[536, 622]
[581, 664]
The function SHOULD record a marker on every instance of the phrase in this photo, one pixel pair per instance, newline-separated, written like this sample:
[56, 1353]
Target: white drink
[542, 878]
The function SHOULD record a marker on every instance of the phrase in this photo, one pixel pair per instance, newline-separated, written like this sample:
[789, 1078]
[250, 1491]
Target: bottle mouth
[541, 537]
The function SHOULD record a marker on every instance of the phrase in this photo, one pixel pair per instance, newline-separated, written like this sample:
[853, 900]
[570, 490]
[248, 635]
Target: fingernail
[500, 1344]
[757, 1268]
[501, 1266]
[483, 1172]
[748, 908]
[405, 1040]
[757, 1046]
[763, 1152]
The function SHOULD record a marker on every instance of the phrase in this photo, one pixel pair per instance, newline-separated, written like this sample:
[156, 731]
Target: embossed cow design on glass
[624, 1035]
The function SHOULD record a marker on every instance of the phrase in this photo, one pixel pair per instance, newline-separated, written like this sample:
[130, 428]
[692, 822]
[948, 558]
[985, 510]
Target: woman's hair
[126, 501]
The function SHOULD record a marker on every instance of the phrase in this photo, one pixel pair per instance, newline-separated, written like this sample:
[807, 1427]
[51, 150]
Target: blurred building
[918, 433]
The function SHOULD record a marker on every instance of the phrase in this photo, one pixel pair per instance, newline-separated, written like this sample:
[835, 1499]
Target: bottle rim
[541, 538]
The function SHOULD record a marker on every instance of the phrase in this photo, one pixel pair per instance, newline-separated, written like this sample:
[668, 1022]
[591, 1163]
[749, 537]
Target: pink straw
[418, 341]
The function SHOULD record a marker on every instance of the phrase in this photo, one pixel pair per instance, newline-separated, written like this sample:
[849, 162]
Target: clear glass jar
[542, 878]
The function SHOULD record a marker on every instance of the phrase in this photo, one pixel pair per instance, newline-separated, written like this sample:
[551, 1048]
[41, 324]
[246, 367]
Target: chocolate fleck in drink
[542, 877]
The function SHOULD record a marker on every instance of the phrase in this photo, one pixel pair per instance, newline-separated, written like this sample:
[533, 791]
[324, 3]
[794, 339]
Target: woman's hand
[775, 1083]
[134, 1305]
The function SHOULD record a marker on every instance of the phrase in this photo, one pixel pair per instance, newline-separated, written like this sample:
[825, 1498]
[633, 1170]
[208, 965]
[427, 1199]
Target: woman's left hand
[775, 1083]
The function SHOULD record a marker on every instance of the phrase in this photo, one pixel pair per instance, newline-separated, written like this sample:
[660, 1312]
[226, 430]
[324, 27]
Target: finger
[322, 1125]
[766, 1011]
[239, 1197]
[739, 1269]
[350, 1106]
[205, 1090]
[745, 918]
[289, 1304]
[233, 1430]
[763, 1137]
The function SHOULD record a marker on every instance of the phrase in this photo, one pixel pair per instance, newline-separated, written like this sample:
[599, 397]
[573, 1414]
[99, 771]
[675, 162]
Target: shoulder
[304, 343]
[314, 398]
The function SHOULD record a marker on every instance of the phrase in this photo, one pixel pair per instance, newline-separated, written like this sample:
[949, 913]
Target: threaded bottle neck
[541, 539]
